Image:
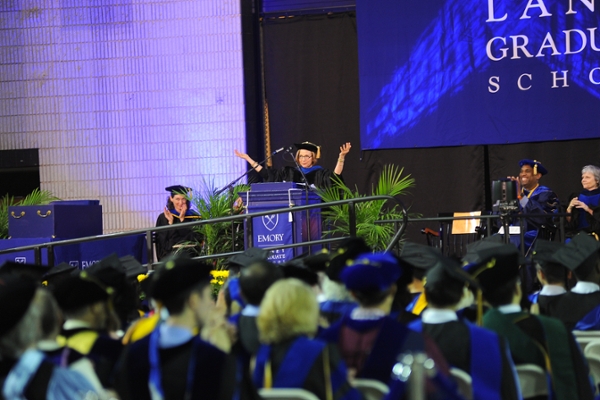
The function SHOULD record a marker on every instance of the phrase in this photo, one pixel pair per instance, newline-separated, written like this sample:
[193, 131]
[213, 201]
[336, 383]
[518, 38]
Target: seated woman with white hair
[290, 357]
[585, 213]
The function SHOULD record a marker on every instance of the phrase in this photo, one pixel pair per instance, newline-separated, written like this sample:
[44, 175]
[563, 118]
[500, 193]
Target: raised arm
[344, 149]
[257, 167]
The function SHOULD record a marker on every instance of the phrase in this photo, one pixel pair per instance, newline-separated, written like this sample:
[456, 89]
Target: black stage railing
[455, 244]
[149, 232]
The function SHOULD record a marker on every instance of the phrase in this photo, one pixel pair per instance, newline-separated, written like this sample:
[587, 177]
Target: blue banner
[464, 72]
[272, 231]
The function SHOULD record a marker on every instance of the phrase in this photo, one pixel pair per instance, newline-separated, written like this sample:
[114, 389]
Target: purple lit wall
[123, 97]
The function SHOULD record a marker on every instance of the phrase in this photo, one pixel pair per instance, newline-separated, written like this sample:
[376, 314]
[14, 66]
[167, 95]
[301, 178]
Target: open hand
[168, 215]
[241, 155]
[345, 149]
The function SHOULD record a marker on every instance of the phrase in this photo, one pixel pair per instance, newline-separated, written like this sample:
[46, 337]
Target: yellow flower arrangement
[219, 278]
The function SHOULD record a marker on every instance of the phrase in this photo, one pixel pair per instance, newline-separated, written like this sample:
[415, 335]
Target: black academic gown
[321, 177]
[165, 240]
[572, 307]
[101, 349]
[548, 303]
[213, 377]
[248, 334]
[454, 341]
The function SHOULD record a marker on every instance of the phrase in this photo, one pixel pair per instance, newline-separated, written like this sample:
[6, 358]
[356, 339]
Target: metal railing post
[352, 218]
[149, 248]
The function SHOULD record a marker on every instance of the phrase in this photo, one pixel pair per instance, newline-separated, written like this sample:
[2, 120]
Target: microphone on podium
[279, 150]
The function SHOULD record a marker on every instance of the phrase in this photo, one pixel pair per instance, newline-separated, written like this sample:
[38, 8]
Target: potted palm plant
[336, 218]
[37, 197]
[222, 237]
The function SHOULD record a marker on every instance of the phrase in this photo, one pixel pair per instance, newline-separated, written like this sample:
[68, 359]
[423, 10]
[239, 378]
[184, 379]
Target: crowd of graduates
[319, 323]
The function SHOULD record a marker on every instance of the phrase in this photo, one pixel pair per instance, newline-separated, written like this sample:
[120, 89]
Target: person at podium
[177, 211]
[307, 157]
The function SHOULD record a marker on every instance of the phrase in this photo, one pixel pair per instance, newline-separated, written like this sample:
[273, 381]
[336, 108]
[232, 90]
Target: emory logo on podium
[270, 221]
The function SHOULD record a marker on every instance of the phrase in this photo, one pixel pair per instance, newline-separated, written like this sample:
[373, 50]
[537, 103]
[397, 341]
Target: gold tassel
[479, 307]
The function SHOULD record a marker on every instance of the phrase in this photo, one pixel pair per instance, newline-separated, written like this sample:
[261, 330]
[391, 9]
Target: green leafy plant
[392, 183]
[222, 237]
[36, 197]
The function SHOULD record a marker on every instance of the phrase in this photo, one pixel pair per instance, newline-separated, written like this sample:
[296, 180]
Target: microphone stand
[306, 191]
[233, 182]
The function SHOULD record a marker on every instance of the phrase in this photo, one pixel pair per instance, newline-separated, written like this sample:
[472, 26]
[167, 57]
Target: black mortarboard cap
[61, 269]
[109, 271]
[371, 272]
[536, 165]
[580, 255]
[495, 266]
[132, 266]
[177, 275]
[310, 147]
[348, 249]
[544, 250]
[446, 269]
[248, 256]
[178, 189]
[32, 271]
[317, 262]
[75, 292]
[16, 294]
[474, 249]
[295, 269]
[419, 256]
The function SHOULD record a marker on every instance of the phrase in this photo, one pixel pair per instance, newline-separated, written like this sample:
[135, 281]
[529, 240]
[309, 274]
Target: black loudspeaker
[504, 191]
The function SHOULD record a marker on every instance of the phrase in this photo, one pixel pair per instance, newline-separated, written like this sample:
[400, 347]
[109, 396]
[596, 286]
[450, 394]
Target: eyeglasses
[303, 156]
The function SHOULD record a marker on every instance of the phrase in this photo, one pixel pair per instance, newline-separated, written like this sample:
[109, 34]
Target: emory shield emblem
[270, 221]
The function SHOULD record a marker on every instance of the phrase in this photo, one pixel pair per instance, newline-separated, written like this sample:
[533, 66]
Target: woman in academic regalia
[307, 156]
[177, 211]
[291, 358]
[584, 207]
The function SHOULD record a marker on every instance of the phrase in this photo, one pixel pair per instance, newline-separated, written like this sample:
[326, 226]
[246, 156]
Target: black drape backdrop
[311, 78]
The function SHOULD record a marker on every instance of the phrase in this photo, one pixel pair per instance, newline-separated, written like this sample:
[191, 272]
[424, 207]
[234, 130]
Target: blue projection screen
[467, 72]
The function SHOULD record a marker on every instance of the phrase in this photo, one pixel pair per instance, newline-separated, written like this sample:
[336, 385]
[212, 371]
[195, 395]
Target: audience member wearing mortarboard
[477, 351]
[307, 156]
[176, 211]
[579, 309]
[230, 297]
[418, 258]
[51, 322]
[335, 300]
[111, 273]
[368, 338]
[24, 371]
[254, 281]
[288, 318]
[533, 339]
[57, 273]
[87, 307]
[174, 361]
[135, 273]
[551, 275]
[31, 271]
[534, 199]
